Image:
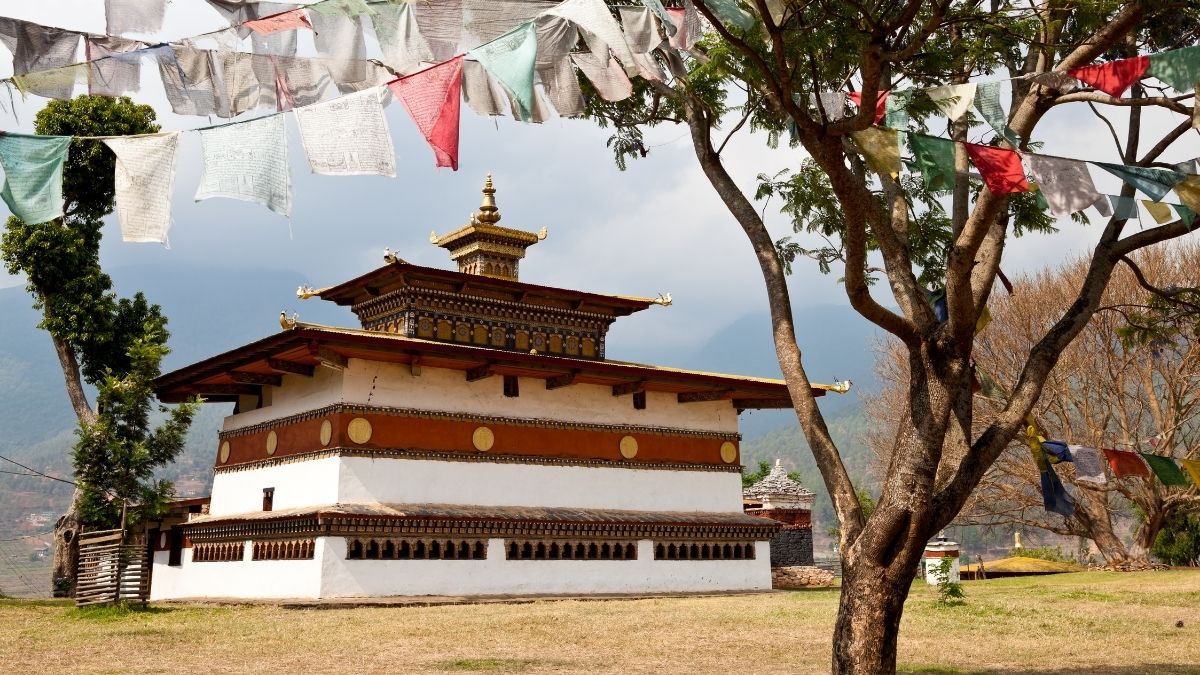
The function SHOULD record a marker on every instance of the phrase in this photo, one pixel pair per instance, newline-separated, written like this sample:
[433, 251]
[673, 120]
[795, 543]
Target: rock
[800, 577]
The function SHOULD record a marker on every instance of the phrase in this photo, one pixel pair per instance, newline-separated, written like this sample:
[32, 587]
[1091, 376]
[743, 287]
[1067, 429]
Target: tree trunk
[1095, 516]
[70, 367]
[868, 620]
[66, 550]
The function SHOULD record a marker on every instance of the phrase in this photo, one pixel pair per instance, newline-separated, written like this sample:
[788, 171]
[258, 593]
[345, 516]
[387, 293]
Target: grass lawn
[1091, 622]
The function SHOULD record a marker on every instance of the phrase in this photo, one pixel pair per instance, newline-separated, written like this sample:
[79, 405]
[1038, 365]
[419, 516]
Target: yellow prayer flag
[881, 149]
[985, 317]
[1161, 212]
[1192, 466]
[1189, 192]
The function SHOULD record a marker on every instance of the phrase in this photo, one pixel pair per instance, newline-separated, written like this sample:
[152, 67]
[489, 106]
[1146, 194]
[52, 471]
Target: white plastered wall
[497, 576]
[263, 579]
[297, 394]
[305, 483]
[410, 481]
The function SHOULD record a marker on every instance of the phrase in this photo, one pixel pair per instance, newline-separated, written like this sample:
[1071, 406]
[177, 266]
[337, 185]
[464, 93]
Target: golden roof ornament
[485, 248]
[488, 212]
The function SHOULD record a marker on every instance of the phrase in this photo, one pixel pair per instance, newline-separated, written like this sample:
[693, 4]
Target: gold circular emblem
[728, 452]
[272, 442]
[483, 439]
[225, 452]
[326, 432]
[359, 430]
[629, 447]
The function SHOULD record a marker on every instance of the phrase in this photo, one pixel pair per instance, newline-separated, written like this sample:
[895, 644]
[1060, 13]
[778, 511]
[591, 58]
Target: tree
[1107, 392]
[114, 344]
[1178, 542]
[760, 78]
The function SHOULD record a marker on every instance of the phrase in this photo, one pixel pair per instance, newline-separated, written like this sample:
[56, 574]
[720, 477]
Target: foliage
[950, 592]
[119, 342]
[1178, 542]
[1051, 553]
[61, 259]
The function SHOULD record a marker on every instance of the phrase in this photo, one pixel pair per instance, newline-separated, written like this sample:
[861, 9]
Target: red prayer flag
[1000, 167]
[880, 103]
[433, 98]
[1114, 77]
[275, 23]
[1126, 464]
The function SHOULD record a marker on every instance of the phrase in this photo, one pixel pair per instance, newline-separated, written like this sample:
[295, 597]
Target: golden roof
[482, 226]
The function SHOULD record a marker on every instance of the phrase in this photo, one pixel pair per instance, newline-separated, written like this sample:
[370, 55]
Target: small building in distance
[786, 501]
[470, 437]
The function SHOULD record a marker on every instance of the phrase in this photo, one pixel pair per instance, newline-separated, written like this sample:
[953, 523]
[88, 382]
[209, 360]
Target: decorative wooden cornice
[481, 419]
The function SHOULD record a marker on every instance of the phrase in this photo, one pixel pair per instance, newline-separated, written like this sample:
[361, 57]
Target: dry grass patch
[1103, 623]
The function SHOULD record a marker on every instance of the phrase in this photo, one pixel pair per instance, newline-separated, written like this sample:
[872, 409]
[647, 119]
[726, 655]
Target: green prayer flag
[1124, 208]
[1154, 182]
[1179, 68]
[1165, 469]
[510, 58]
[349, 8]
[664, 18]
[731, 13]
[1185, 214]
[933, 158]
[33, 175]
[987, 102]
[896, 107]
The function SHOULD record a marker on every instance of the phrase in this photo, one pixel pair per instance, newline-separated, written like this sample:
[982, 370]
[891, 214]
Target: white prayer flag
[606, 76]
[144, 177]
[1089, 467]
[593, 17]
[348, 136]
[248, 161]
[1065, 183]
[953, 99]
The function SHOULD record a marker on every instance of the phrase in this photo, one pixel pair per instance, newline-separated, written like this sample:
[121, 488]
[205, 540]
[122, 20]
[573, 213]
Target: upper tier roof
[301, 349]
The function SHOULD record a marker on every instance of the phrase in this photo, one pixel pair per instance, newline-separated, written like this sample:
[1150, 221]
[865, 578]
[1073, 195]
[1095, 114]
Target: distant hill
[213, 309]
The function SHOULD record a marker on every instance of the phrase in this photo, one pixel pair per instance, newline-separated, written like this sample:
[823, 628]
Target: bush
[950, 592]
[1051, 553]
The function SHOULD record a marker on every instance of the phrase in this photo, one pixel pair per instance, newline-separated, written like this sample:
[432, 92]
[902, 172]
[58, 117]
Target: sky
[657, 227]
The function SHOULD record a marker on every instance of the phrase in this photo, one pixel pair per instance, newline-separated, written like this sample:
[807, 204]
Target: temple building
[470, 437]
[782, 499]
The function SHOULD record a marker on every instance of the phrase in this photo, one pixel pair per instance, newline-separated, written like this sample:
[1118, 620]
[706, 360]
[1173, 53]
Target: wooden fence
[112, 568]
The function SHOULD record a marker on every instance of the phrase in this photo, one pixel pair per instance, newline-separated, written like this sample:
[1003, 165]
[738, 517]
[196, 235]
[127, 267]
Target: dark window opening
[268, 498]
[639, 400]
[511, 388]
[175, 557]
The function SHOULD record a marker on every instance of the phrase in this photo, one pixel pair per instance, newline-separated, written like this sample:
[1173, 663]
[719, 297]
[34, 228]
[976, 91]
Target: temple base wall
[331, 575]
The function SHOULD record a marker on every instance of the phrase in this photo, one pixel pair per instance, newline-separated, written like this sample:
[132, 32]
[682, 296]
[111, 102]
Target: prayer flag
[605, 75]
[350, 8]
[347, 136]
[1160, 211]
[562, 87]
[953, 99]
[1165, 470]
[33, 175]
[1192, 466]
[133, 16]
[486, 20]
[1179, 68]
[641, 29]
[881, 149]
[896, 109]
[832, 103]
[1057, 80]
[880, 103]
[1124, 208]
[1189, 192]
[112, 70]
[1185, 214]
[248, 161]
[1055, 498]
[1154, 182]
[340, 38]
[1114, 77]
[481, 91]
[145, 174]
[687, 25]
[441, 25]
[1188, 166]
[189, 79]
[295, 19]
[1057, 451]
[987, 102]
[1089, 468]
[1126, 464]
[594, 17]
[656, 6]
[433, 98]
[933, 158]
[730, 12]
[1000, 167]
[510, 58]
[1065, 183]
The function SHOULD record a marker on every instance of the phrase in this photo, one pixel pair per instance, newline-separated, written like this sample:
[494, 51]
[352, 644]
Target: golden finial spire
[488, 213]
